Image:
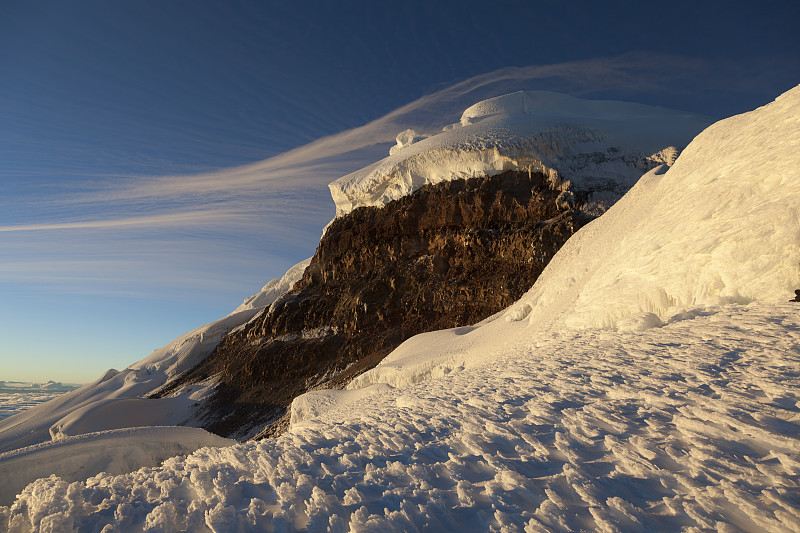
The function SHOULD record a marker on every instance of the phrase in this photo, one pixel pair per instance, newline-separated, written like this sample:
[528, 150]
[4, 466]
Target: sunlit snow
[598, 143]
[648, 381]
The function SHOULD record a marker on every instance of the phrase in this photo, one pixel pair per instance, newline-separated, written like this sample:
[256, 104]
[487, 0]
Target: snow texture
[117, 399]
[647, 382]
[594, 143]
[694, 425]
[115, 452]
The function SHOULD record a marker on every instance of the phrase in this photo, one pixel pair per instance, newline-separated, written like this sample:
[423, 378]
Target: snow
[114, 452]
[312, 404]
[720, 226]
[117, 399]
[594, 143]
[691, 425]
[648, 381]
[275, 288]
[116, 413]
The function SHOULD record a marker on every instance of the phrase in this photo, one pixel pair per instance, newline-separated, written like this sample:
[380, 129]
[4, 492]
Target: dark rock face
[451, 254]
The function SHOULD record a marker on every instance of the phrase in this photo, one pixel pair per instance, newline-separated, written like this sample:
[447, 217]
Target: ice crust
[594, 143]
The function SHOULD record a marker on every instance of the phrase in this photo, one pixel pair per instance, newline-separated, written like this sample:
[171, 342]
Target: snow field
[599, 143]
[720, 226]
[693, 425]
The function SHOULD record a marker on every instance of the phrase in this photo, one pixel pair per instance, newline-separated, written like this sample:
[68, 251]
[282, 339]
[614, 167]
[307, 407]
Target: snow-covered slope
[115, 452]
[694, 425]
[596, 144]
[117, 399]
[720, 226]
[610, 423]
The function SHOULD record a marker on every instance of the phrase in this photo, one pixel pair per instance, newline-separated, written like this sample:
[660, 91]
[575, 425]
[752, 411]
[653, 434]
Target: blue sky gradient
[155, 166]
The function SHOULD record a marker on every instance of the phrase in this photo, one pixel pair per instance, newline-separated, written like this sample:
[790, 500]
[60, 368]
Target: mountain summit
[448, 256]
[448, 230]
[599, 145]
[646, 381]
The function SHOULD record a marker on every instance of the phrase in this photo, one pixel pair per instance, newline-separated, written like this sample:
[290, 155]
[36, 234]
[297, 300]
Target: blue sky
[155, 166]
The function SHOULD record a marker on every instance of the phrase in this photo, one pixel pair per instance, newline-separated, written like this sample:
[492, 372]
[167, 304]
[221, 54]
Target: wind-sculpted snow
[117, 452]
[694, 425]
[117, 399]
[720, 226]
[604, 145]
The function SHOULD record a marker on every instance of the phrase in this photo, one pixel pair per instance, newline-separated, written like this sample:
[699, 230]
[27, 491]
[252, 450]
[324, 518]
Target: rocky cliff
[450, 254]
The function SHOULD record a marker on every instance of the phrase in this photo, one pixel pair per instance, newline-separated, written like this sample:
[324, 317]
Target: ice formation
[605, 145]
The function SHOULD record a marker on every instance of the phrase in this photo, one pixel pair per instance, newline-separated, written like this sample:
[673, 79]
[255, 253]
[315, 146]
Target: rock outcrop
[448, 255]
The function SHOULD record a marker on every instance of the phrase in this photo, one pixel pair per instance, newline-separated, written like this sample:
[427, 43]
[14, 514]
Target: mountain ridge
[448, 255]
[595, 158]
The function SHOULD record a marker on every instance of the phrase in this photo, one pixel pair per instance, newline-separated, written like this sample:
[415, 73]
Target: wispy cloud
[183, 218]
[323, 160]
[261, 217]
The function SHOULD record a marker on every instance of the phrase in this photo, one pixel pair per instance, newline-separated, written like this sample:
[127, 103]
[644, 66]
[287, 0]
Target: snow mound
[116, 413]
[114, 452]
[596, 144]
[403, 139]
[720, 226]
[310, 405]
[116, 400]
